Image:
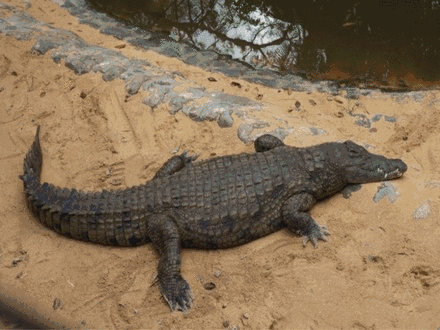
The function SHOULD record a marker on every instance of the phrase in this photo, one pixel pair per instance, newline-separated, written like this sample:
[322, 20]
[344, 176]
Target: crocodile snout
[398, 169]
[401, 166]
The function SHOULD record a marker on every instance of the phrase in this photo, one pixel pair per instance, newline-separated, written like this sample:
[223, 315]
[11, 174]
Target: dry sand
[380, 268]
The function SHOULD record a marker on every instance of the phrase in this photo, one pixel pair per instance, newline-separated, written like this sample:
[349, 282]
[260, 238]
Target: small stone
[212, 79]
[57, 303]
[390, 119]
[363, 121]
[330, 98]
[225, 120]
[209, 286]
[16, 261]
[373, 130]
[82, 95]
[388, 190]
[376, 117]
[235, 84]
[134, 83]
[120, 46]
[225, 324]
[259, 96]
[20, 275]
[217, 274]
[297, 104]
[312, 102]
[422, 211]
[246, 316]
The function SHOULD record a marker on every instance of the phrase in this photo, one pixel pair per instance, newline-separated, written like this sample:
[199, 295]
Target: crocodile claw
[318, 232]
[177, 293]
[188, 158]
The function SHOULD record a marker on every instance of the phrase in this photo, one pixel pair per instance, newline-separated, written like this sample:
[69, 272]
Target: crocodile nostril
[401, 166]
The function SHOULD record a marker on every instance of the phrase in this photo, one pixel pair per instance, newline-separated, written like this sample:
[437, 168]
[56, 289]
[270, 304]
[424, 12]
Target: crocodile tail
[33, 163]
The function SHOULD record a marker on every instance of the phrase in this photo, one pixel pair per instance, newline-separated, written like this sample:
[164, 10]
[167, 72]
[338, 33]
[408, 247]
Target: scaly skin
[216, 203]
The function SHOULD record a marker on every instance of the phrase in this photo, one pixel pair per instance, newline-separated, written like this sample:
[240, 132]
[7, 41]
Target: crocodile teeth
[394, 174]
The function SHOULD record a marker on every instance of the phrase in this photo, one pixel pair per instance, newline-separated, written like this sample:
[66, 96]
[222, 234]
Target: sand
[379, 269]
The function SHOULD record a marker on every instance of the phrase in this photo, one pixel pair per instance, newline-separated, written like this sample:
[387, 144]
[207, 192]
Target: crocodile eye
[353, 152]
[354, 149]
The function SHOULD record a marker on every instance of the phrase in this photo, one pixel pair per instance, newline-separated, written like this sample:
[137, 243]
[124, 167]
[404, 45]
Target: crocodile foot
[177, 293]
[175, 164]
[318, 232]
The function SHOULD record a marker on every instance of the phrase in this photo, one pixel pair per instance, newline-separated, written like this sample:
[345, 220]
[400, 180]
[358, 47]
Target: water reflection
[255, 37]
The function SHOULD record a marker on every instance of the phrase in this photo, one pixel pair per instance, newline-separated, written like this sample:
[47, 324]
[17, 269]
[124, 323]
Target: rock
[422, 211]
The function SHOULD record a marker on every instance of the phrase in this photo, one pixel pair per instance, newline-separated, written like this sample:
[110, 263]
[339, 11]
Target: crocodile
[219, 202]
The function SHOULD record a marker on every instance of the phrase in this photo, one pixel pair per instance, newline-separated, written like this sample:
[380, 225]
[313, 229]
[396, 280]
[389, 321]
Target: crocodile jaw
[397, 173]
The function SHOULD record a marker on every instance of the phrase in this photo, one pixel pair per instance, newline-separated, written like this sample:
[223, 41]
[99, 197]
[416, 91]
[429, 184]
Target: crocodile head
[360, 166]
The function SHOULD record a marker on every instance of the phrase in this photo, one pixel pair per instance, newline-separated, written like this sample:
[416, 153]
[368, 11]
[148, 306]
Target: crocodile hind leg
[300, 222]
[267, 142]
[174, 164]
[164, 234]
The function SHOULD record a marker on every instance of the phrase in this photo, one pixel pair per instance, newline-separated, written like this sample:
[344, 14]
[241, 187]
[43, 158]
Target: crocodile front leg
[164, 234]
[300, 222]
[175, 164]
